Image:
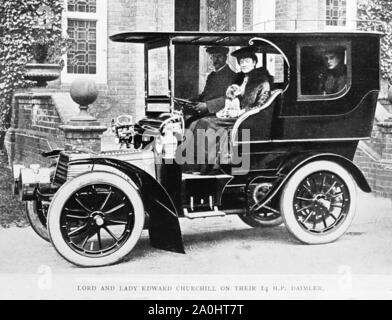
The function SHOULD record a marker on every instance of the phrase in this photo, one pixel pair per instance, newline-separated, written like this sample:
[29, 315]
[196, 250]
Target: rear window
[323, 70]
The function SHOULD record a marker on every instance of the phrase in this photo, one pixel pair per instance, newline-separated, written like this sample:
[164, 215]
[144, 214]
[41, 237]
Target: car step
[203, 214]
[194, 176]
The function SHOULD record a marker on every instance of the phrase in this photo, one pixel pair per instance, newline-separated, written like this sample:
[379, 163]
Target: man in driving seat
[212, 99]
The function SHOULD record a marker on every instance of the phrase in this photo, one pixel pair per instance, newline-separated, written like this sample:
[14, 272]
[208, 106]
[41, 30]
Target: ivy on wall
[218, 15]
[18, 34]
[379, 13]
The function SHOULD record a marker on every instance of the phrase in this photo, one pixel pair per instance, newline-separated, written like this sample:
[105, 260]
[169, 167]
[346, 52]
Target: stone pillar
[83, 131]
[34, 126]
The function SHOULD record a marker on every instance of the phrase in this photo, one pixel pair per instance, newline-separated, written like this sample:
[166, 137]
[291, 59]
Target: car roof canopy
[222, 38]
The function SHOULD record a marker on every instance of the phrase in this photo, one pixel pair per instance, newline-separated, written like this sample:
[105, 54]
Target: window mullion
[89, 54]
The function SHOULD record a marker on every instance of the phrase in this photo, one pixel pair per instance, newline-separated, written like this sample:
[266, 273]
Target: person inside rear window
[332, 78]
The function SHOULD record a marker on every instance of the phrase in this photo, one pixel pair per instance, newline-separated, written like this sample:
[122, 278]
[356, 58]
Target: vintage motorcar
[299, 148]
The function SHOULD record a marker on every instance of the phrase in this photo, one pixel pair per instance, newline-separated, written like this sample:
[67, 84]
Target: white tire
[36, 219]
[318, 202]
[75, 214]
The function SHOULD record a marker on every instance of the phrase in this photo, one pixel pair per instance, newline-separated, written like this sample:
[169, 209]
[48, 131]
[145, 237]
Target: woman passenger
[251, 87]
[333, 77]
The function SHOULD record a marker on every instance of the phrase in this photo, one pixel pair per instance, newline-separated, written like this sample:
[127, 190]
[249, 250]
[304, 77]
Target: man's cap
[217, 49]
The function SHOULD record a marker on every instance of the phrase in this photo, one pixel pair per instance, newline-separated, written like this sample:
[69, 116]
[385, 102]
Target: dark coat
[215, 89]
[253, 95]
[332, 81]
[216, 154]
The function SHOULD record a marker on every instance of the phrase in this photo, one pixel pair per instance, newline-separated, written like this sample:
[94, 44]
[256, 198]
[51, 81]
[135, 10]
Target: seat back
[257, 121]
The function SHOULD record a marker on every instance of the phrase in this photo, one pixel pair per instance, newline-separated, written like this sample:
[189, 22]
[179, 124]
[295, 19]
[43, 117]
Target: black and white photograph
[195, 150]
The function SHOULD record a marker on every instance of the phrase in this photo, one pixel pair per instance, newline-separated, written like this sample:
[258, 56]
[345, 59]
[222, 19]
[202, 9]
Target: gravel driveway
[223, 247]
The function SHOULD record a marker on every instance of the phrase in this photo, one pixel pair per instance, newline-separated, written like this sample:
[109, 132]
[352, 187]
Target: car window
[274, 63]
[324, 70]
[158, 72]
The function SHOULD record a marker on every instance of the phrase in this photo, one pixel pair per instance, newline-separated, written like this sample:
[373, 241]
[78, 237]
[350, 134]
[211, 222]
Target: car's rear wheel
[37, 218]
[266, 217]
[259, 216]
[318, 202]
[96, 219]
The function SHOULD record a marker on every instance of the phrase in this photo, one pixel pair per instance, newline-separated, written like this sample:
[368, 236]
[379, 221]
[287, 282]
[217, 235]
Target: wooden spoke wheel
[36, 215]
[318, 202]
[96, 219]
[258, 216]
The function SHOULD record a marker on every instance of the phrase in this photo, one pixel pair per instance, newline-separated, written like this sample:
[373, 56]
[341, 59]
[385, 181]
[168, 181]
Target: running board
[203, 192]
[204, 214]
[190, 176]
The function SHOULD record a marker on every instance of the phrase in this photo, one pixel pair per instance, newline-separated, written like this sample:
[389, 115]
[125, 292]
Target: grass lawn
[11, 209]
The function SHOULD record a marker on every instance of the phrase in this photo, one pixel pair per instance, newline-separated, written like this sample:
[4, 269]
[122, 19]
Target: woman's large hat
[337, 50]
[245, 52]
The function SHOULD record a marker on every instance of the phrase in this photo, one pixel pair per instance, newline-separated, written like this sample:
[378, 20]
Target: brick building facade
[118, 68]
[123, 90]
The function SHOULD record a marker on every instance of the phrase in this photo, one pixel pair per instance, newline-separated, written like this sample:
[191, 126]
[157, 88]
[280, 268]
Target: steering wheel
[187, 106]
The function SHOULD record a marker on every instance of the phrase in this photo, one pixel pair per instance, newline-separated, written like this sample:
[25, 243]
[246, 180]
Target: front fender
[164, 226]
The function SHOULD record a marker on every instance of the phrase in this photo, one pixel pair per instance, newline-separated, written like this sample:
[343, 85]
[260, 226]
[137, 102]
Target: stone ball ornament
[84, 91]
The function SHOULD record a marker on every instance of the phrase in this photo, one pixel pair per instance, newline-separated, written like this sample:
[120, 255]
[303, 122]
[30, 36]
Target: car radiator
[65, 172]
[60, 175]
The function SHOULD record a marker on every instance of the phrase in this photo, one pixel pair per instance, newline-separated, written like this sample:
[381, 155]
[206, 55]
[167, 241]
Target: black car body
[300, 148]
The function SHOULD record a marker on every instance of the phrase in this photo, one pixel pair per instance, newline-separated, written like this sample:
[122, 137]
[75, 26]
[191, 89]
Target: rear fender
[300, 161]
[164, 226]
[295, 162]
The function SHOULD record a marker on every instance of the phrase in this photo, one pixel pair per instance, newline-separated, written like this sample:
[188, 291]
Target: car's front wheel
[96, 219]
[318, 202]
[36, 216]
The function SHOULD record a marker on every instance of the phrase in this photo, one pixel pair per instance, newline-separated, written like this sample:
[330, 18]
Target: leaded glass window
[82, 5]
[81, 57]
[336, 12]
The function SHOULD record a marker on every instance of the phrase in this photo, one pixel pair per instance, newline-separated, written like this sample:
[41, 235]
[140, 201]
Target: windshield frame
[159, 103]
